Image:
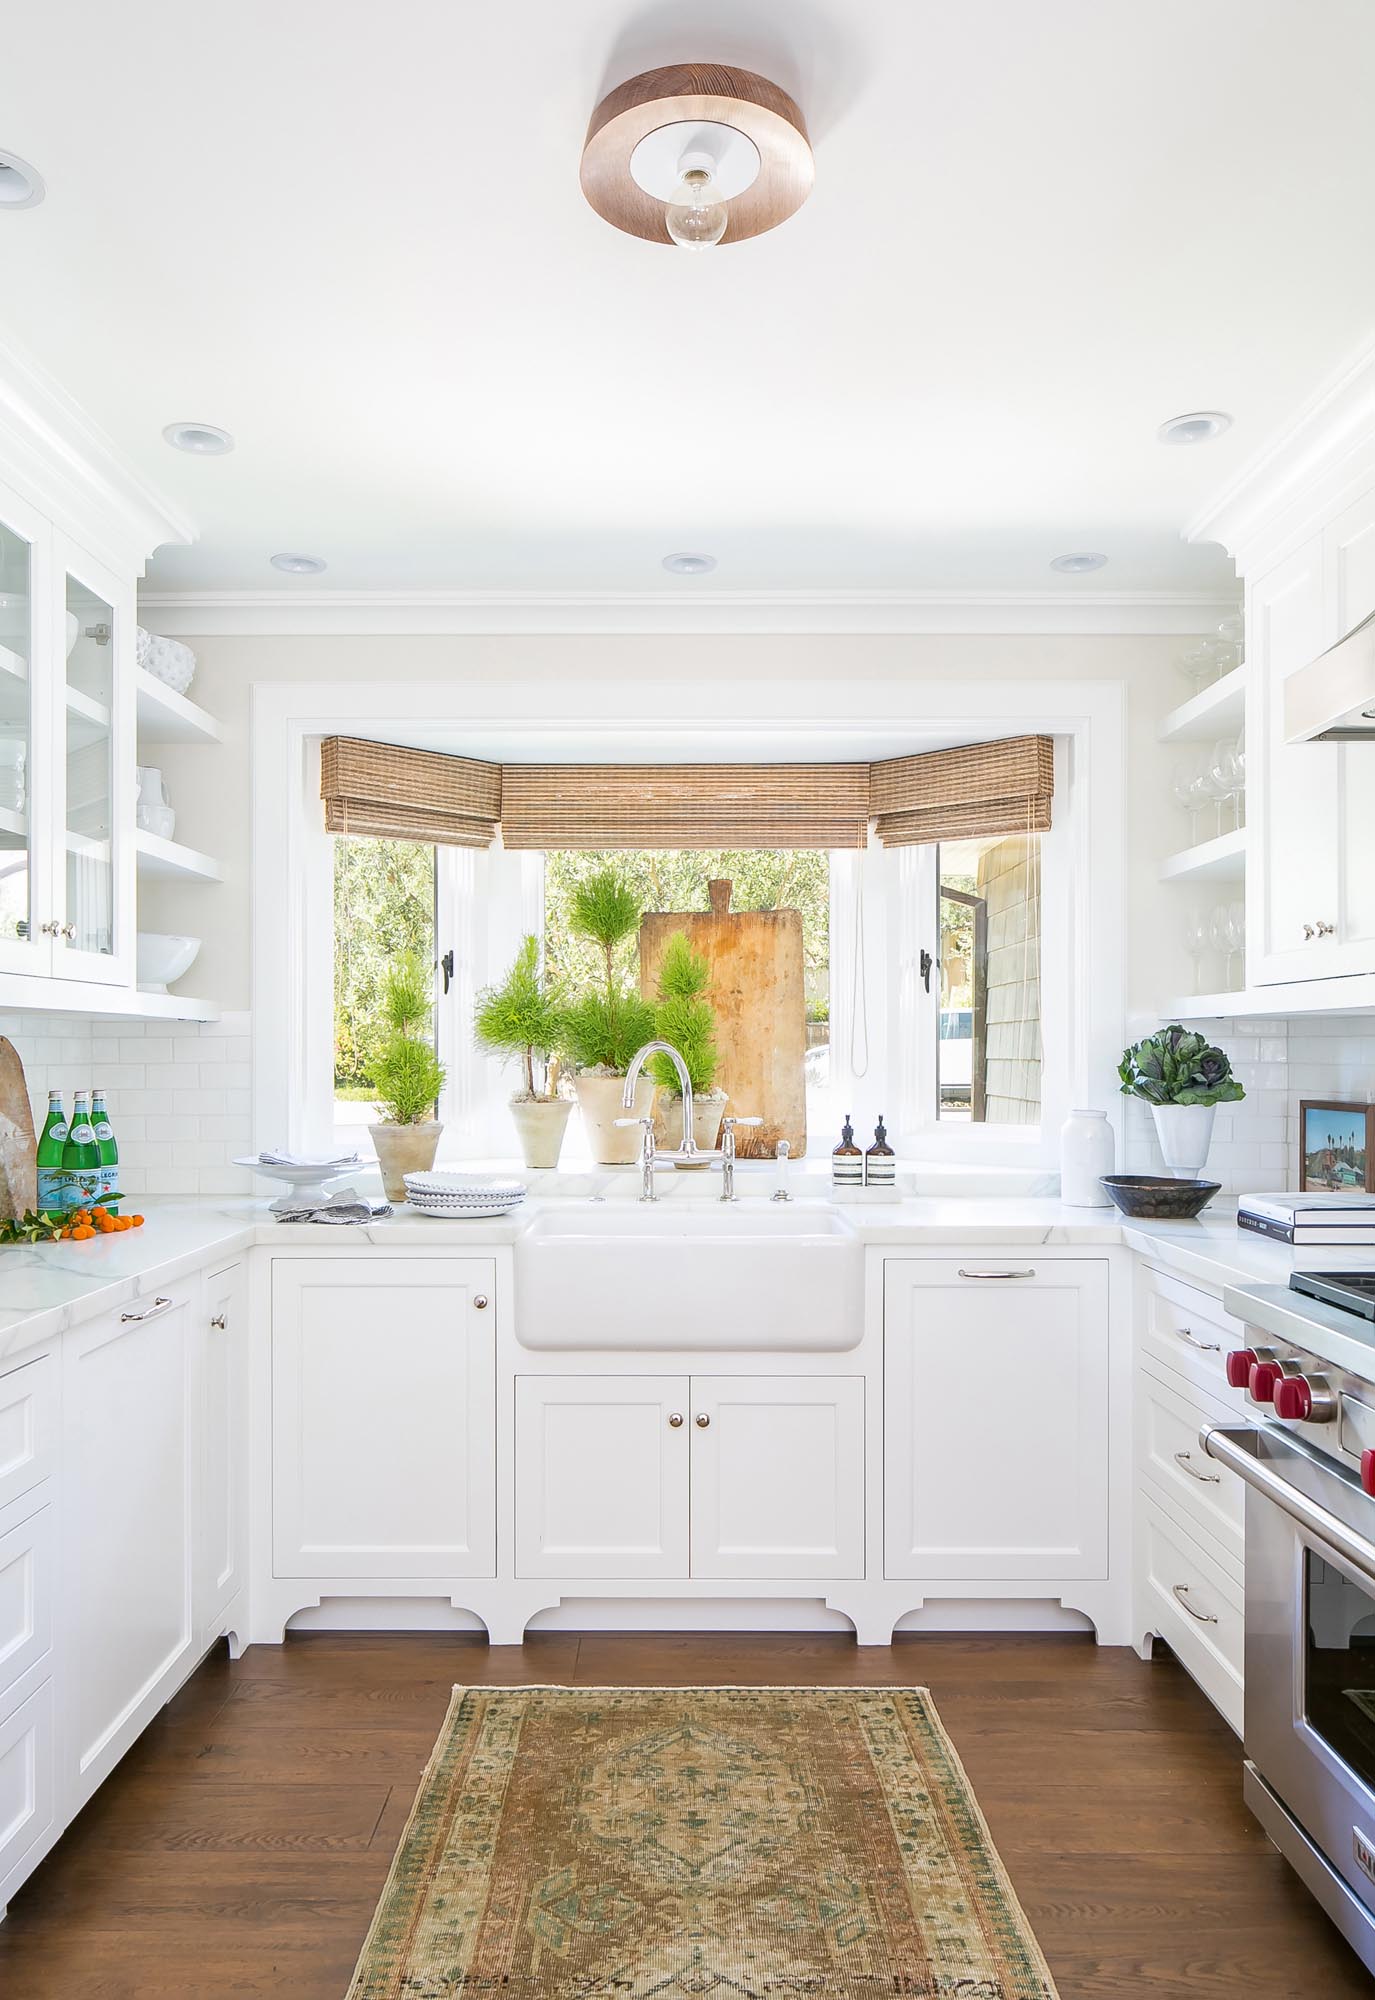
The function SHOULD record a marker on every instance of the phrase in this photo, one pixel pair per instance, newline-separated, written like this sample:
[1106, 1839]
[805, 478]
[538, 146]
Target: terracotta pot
[540, 1126]
[404, 1149]
[707, 1113]
[599, 1100]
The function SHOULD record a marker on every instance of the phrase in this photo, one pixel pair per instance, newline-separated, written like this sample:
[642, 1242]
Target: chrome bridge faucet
[688, 1152]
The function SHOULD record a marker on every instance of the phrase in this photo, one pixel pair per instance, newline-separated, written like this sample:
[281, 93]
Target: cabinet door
[777, 1475]
[1349, 546]
[602, 1475]
[1292, 788]
[995, 1418]
[26, 747]
[95, 733]
[127, 1499]
[383, 1417]
[221, 1509]
[27, 1774]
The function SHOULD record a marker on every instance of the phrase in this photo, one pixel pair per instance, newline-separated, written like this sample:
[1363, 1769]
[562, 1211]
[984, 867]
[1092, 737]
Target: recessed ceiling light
[201, 440]
[20, 186]
[299, 565]
[686, 563]
[1198, 427]
[1078, 562]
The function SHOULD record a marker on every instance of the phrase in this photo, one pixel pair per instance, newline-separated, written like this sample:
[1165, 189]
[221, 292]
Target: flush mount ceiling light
[20, 186]
[1078, 562]
[687, 563]
[1197, 427]
[299, 565]
[201, 440]
[696, 154]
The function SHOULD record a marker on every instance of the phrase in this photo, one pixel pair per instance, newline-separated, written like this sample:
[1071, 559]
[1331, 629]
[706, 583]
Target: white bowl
[163, 958]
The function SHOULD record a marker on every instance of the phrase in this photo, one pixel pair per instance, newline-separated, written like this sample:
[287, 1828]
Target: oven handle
[1234, 1449]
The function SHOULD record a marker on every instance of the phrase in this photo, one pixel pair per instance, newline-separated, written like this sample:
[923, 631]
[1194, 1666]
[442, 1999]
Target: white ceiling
[354, 236]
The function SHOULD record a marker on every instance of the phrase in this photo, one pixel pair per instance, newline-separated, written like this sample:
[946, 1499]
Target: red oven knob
[1293, 1399]
[1264, 1376]
[1239, 1365]
[1368, 1472]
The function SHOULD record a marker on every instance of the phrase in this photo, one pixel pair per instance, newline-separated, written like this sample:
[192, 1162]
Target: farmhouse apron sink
[689, 1275]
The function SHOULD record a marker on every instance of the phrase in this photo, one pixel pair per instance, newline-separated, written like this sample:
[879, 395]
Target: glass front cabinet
[67, 751]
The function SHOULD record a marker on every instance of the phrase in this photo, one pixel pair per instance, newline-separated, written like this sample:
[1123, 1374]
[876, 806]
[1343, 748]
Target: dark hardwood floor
[241, 1845]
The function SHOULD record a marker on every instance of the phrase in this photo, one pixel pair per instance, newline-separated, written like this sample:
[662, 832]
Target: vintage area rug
[711, 1843]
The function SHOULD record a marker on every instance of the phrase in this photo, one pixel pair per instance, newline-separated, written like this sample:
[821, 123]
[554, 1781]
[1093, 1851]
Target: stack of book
[1327, 1221]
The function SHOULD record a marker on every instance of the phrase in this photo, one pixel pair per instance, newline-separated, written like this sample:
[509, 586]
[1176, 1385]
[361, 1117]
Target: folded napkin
[286, 1159]
[356, 1208]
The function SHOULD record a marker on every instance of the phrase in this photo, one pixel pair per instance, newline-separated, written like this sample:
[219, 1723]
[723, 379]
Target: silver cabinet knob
[480, 1301]
[701, 1420]
[52, 928]
[675, 1420]
[69, 930]
[1309, 933]
[220, 1322]
[1326, 930]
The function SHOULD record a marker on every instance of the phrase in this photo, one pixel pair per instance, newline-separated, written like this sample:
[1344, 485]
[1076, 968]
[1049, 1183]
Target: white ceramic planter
[1185, 1132]
[599, 1100]
[540, 1125]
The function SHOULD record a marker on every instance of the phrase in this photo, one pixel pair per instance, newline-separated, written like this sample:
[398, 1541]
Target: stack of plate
[471, 1196]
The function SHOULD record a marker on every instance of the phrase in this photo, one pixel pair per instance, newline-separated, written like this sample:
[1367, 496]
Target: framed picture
[1336, 1147]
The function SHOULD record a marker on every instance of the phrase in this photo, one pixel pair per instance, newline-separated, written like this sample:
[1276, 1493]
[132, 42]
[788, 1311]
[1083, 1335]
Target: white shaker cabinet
[128, 1491]
[222, 1498]
[996, 1418]
[602, 1475]
[777, 1476]
[383, 1417]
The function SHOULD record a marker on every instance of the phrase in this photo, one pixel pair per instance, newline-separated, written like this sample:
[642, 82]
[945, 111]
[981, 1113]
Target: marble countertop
[48, 1288]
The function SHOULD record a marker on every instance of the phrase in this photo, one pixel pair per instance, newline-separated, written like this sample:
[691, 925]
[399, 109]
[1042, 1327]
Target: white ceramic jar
[1087, 1152]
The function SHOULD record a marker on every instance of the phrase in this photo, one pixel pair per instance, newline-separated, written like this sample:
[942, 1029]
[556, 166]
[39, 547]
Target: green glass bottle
[109, 1151]
[51, 1198]
[81, 1157]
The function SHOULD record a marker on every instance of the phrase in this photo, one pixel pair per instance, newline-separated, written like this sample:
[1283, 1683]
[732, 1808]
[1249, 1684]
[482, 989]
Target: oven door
[1310, 1641]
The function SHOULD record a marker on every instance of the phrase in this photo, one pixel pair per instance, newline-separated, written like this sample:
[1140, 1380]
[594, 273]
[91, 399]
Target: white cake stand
[306, 1186]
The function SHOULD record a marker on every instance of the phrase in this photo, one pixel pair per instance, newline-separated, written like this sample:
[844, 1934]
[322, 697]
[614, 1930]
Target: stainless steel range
[1309, 1468]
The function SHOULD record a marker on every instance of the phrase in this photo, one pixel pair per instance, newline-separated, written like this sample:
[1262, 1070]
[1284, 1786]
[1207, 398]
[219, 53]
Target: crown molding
[443, 613]
[1303, 469]
[71, 470]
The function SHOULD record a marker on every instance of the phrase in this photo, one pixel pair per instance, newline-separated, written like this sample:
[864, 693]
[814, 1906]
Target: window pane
[383, 904]
[989, 1061]
[671, 879]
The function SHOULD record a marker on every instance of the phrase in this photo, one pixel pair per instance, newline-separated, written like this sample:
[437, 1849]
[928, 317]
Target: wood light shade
[697, 93]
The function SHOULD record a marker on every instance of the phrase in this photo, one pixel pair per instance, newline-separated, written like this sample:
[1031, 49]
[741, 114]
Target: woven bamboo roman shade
[960, 794]
[397, 794]
[684, 805]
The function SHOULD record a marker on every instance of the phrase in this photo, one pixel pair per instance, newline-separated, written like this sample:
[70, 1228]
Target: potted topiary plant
[522, 1019]
[603, 1029]
[407, 1076]
[1183, 1078]
[686, 1018]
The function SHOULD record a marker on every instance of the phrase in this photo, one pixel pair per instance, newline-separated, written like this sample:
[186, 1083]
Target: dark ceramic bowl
[1153, 1198]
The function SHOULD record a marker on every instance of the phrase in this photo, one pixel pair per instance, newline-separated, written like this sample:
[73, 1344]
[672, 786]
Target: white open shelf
[1222, 859]
[1217, 711]
[167, 717]
[1317, 996]
[167, 858]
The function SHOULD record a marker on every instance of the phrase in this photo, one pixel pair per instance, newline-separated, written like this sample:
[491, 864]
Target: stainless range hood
[1333, 698]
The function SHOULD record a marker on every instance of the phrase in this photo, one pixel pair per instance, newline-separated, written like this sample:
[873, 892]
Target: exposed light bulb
[697, 218]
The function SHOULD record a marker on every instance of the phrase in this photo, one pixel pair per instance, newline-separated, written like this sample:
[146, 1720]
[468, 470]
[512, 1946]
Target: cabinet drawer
[1188, 1331]
[28, 1425]
[1209, 1497]
[1196, 1607]
[27, 1553]
[26, 1780]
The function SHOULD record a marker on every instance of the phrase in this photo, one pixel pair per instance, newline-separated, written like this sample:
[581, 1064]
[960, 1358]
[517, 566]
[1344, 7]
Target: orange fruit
[121, 1222]
[137, 1221]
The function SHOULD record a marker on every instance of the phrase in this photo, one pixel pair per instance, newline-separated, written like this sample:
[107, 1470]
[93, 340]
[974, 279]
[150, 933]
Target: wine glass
[1224, 780]
[1187, 783]
[1196, 942]
[1197, 665]
[1227, 930]
[1239, 754]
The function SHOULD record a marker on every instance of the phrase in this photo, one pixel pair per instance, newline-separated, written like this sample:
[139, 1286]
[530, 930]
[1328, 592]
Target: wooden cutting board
[761, 1014]
[18, 1172]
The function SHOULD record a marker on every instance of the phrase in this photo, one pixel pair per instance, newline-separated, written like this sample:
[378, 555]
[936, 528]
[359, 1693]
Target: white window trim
[1082, 917]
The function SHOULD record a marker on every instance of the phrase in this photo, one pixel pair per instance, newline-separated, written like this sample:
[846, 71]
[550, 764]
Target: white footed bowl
[163, 958]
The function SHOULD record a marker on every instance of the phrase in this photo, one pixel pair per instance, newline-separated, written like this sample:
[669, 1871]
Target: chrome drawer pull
[149, 1312]
[1203, 1346]
[996, 1274]
[1181, 1591]
[1184, 1460]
